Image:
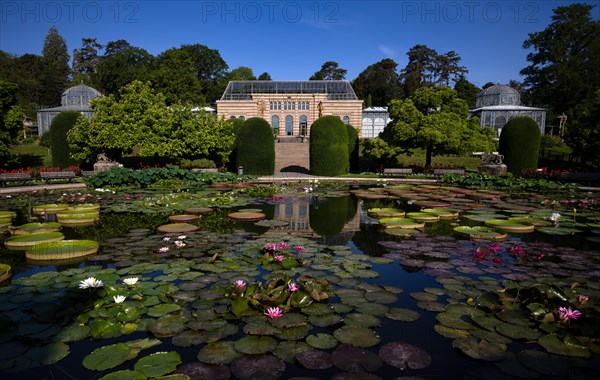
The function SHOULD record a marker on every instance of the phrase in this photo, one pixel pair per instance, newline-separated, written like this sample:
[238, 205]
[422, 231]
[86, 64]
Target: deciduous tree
[330, 70]
[380, 80]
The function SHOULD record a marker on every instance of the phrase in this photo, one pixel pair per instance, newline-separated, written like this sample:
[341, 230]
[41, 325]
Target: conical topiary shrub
[520, 144]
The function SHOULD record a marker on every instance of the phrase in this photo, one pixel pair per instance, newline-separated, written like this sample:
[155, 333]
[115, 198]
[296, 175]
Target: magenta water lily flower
[282, 245]
[498, 260]
[239, 284]
[278, 258]
[517, 250]
[494, 248]
[582, 299]
[292, 287]
[274, 312]
[566, 314]
[479, 254]
[270, 247]
[299, 248]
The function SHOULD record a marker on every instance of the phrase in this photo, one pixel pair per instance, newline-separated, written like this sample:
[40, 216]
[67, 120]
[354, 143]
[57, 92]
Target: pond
[384, 282]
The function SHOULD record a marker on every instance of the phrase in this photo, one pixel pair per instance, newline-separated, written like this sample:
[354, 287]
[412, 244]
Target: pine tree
[56, 67]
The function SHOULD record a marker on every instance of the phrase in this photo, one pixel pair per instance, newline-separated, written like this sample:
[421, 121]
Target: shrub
[552, 141]
[256, 147]
[329, 147]
[232, 161]
[352, 147]
[61, 124]
[197, 163]
[520, 144]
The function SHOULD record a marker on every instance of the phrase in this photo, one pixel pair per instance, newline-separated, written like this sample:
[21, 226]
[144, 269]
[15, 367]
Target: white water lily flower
[131, 280]
[182, 237]
[90, 282]
[555, 217]
[119, 299]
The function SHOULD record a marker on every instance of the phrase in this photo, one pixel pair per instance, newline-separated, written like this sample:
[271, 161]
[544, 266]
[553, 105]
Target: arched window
[303, 125]
[289, 125]
[233, 117]
[346, 120]
[275, 124]
[242, 118]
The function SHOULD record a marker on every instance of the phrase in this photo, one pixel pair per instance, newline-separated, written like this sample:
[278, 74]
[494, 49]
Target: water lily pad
[183, 218]
[480, 232]
[255, 344]
[510, 226]
[272, 223]
[197, 370]
[402, 314]
[386, 212]
[287, 351]
[357, 336]
[247, 216]
[5, 272]
[364, 320]
[60, 250]
[163, 309]
[382, 296]
[403, 355]
[22, 242]
[400, 223]
[423, 217]
[177, 228]
[125, 374]
[570, 346]
[546, 364]
[30, 228]
[353, 359]
[518, 332]
[107, 357]
[7, 214]
[198, 210]
[255, 367]
[158, 364]
[450, 332]
[480, 349]
[168, 325]
[325, 320]
[560, 231]
[402, 232]
[49, 208]
[322, 341]
[315, 359]
[293, 333]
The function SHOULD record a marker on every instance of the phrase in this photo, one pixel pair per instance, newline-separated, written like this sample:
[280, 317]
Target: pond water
[371, 302]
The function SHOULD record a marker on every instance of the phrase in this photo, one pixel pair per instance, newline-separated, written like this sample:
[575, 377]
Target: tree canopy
[11, 117]
[380, 80]
[56, 67]
[139, 118]
[437, 120]
[330, 70]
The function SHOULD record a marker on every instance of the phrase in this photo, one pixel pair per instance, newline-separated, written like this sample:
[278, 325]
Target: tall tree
[210, 70]
[123, 67]
[8, 130]
[240, 73]
[330, 70]
[419, 69]
[86, 59]
[447, 68]
[435, 119]
[56, 67]
[264, 76]
[380, 80]
[27, 72]
[466, 91]
[115, 47]
[175, 77]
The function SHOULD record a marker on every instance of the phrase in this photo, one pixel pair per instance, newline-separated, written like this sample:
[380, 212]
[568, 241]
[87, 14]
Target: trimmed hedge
[256, 147]
[520, 144]
[352, 147]
[61, 124]
[329, 147]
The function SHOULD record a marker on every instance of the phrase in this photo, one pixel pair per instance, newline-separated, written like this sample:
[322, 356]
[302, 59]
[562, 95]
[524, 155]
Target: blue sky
[291, 39]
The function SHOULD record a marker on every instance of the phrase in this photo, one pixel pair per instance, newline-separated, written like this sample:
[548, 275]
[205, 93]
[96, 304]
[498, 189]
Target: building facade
[76, 98]
[374, 120]
[291, 106]
[499, 103]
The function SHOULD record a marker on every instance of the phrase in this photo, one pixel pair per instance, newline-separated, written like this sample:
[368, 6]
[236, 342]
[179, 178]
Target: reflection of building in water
[297, 213]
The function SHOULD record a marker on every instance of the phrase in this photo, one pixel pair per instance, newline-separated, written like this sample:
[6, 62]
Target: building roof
[375, 109]
[507, 107]
[498, 94]
[74, 107]
[334, 89]
[79, 95]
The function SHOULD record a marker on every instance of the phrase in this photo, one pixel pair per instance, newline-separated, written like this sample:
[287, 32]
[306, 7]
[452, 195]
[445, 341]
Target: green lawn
[33, 149]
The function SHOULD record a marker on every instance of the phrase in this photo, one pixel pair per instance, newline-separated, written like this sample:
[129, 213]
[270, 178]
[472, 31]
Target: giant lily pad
[177, 228]
[49, 208]
[442, 213]
[5, 272]
[561, 231]
[158, 364]
[400, 223]
[510, 226]
[31, 228]
[357, 336]
[386, 213]
[183, 218]
[60, 250]
[479, 232]
[403, 355]
[247, 216]
[423, 217]
[22, 242]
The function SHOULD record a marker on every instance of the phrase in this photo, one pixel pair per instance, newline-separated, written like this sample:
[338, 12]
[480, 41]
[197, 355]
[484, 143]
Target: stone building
[499, 103]
[76, 98]
[291, 106]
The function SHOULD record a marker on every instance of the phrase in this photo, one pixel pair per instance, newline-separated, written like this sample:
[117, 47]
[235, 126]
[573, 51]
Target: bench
[448, 171]
[397, 171]
[48, 176]
[15, 177]
[87, 173]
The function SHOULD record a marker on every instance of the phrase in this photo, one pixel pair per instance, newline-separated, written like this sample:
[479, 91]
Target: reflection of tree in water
[329, 215]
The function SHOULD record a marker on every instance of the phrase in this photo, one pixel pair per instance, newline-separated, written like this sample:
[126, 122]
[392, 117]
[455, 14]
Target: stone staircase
[291, 155]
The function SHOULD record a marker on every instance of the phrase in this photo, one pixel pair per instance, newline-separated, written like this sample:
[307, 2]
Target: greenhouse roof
[335, 89]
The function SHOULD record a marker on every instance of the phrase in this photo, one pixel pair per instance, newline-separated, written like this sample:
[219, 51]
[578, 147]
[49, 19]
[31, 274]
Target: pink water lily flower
[495, 248]
[270, 247]
[498, 260]
[582, 299]
[273, 312]
[479, 254]
[517, 250]
[164, 249]
[279, 258]
[292, 287]
[282, 245]
[566, 313]
[299, 248]
[239, 284]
